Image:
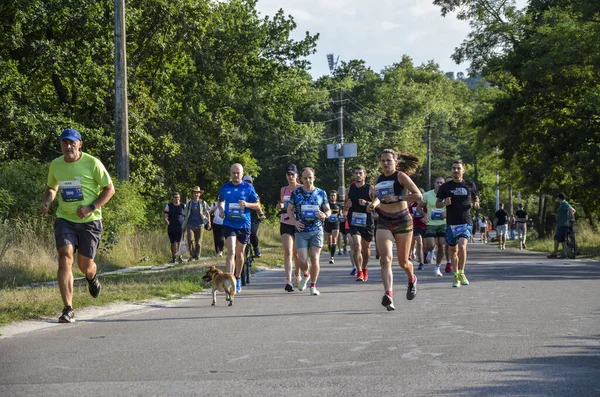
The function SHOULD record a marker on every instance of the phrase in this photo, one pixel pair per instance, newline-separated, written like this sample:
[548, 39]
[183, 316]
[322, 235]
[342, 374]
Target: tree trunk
[541, 216]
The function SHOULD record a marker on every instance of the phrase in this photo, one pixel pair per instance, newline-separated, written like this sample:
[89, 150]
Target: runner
[458, 196]
[84, 186]
[332, 225]
[435, 218]
[394, 224]
[236, 199]
[522, 218]
[501, 223]
[419, 228]
[287, 228]
[358, 198]
[313, 209]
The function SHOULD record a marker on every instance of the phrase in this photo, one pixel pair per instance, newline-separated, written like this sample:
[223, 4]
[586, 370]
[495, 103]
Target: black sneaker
[421, 266]
[289, 288]
[68, 316]
[94, 287]
[411, 292]
[388, 302]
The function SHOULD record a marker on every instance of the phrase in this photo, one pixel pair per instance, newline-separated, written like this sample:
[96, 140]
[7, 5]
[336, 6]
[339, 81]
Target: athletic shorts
[242, 235]
[419, 231]
[284, 228]
[456, 232]
[175, 234]
[309, 239]
[84, 237]
[502, 229]
[561, 233]
[365, 232]
[328, 227]
[397, 223]
[435, 231]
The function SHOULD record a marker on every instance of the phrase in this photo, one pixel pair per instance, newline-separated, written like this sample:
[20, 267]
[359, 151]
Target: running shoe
[366, 275]
[68, 316]
[421, 266]
[388, 302]
[437, 271]
[314, 291]
[411, 291]
[331, 260]
[289, 287]
[359, 276]
[456, 282]
[302, 284]
[448, 267]
[463, 279]
[94, 286]
[353, 272]
[257, 252]
[428, 257]
[238, 285]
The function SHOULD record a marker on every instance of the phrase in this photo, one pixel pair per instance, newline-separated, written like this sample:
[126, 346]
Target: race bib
[359, 219]
[437, 214]
[309, 212]
[458, 229]
[70, 191]
[286, 201]
[235, 211]
[384, 188]
[416, 213]
[333, 218]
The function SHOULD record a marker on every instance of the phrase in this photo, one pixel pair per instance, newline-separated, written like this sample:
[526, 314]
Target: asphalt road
[526, 326]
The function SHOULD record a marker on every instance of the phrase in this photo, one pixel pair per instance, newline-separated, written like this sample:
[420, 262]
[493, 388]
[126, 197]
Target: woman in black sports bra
[394, 224]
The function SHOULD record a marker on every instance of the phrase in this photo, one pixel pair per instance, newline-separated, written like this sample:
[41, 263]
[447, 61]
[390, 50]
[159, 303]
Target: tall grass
[588, 242]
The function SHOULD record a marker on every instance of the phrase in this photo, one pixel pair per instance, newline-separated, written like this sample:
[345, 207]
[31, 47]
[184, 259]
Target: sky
[379, 32]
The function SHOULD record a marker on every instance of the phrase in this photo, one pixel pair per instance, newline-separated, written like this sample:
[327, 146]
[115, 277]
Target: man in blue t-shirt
[236, 199]
[309, 207]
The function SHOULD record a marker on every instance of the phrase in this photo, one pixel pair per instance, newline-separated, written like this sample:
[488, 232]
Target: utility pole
[341, 160]
[428, 184]
[121, 123]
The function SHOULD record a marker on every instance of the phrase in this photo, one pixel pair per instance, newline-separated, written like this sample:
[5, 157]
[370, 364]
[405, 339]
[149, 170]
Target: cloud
[300, 15]
[389, 25]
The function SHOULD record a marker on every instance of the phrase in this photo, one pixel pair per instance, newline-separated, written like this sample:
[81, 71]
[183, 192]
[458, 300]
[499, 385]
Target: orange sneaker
[359, 276]
[366, 274]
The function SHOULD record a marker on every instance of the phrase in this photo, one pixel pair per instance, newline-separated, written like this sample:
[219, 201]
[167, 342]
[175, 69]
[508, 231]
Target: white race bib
[359, 219]
[437, 214]
[235, 211]
[384, 188]
[308, 212]
[70, 191]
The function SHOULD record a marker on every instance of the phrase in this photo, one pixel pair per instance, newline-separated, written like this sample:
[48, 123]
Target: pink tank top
[286, 199]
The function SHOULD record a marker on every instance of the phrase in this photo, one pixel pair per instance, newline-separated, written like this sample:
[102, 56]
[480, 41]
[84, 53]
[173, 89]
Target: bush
[23, 184]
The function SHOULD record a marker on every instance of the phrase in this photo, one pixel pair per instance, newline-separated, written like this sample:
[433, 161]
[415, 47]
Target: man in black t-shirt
[501, 222]
[458, 196]
[522, 226]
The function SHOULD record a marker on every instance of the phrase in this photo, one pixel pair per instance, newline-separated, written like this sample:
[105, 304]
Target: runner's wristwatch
[400, 198]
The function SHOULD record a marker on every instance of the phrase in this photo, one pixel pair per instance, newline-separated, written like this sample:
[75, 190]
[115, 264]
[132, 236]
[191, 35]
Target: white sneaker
[314, 291]
[429, 257]
[302, 284]
[437, 271]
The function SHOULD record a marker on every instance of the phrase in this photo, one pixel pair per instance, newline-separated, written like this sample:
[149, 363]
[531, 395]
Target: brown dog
[222, 282]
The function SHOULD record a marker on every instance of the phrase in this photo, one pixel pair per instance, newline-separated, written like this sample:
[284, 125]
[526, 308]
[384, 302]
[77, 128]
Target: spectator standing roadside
[174, 217]
[84, 186]
[217, 229]
[522, 226]
[564, 217]
[196, 216]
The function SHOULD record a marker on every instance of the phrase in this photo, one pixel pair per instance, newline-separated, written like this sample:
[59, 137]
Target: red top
[417, 219]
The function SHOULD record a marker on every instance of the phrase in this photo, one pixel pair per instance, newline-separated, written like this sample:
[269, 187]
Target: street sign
[339, 151]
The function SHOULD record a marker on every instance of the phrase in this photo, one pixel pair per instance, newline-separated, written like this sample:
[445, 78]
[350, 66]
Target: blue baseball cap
[70, 134]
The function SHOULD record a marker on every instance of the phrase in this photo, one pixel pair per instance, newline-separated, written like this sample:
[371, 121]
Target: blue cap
[70, 134]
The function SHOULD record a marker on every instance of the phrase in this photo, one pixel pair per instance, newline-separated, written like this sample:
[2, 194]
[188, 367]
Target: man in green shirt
[564, 217]
[84, 186]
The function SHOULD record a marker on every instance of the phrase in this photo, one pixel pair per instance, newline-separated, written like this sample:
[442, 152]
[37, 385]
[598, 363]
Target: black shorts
[419, 231]
[84, 237]
[328, 227]
[561, 233]
[365, 232]
[284, 228]
[175, 234]
[242, 235]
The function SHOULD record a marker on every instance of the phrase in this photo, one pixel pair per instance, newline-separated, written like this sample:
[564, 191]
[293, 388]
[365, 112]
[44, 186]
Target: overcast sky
[376, 31]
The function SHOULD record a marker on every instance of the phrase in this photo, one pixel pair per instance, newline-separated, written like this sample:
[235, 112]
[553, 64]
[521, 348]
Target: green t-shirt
[562, 215]
[430, 198]
[78, 184]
